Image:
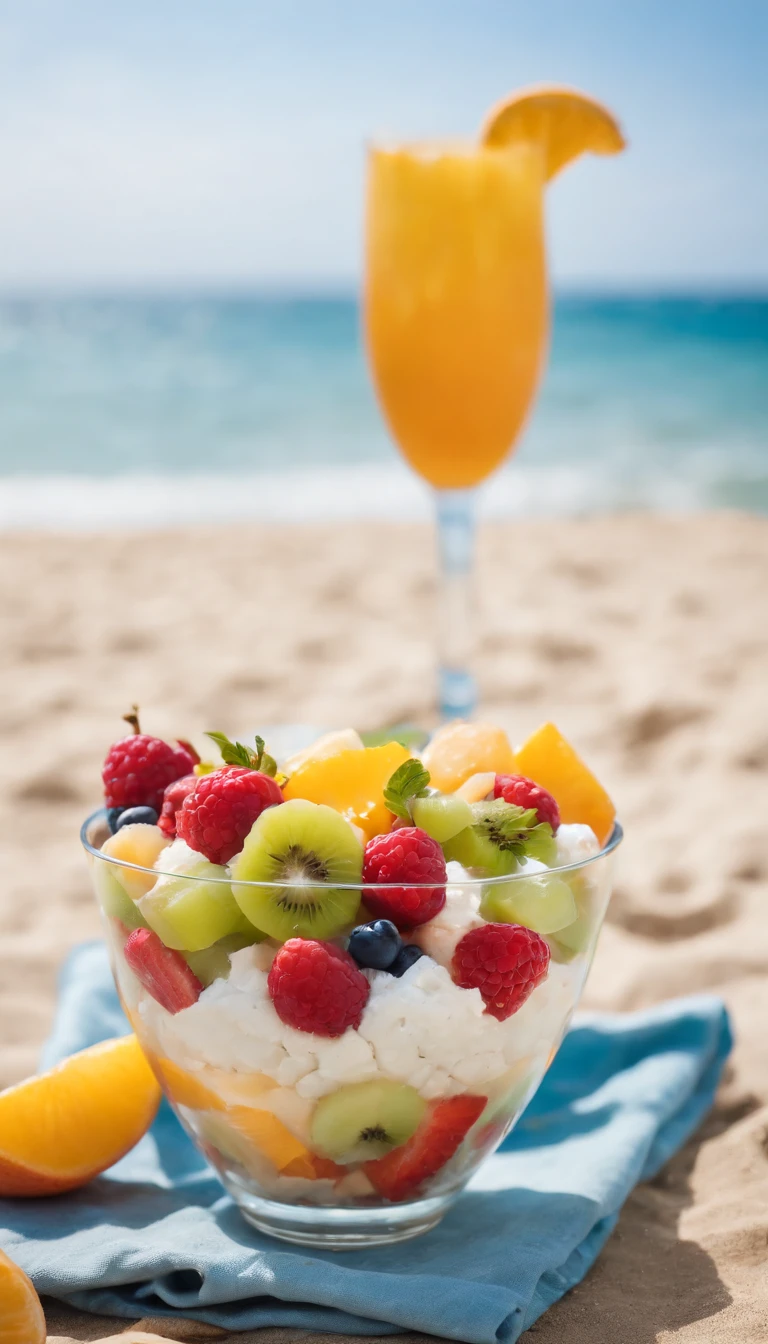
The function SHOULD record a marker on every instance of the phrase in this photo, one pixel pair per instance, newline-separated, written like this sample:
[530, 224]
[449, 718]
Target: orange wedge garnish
[563, 121]
[60, 1129]
[21, 1315]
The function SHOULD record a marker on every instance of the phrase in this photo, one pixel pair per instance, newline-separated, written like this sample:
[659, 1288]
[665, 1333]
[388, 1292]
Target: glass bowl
[271, 1106]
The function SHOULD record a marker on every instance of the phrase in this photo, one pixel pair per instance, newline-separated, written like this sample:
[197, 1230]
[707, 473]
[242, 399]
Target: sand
[645, 638]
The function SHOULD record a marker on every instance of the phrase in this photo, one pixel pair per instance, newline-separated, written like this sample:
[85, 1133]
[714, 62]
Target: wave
[90, 503]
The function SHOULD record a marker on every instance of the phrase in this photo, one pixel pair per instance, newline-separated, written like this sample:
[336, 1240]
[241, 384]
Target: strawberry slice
[397, 1174]
[163, 973]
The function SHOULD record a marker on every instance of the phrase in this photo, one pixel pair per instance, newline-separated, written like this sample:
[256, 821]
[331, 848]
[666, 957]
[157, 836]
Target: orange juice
[456, 305]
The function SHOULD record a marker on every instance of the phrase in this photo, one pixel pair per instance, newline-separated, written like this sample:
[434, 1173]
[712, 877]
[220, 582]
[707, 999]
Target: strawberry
[399, 1173]
[163, 973]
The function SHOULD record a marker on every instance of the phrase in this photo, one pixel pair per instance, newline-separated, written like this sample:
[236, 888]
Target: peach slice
[64, 1127]
[352, 782]
[21, 1315]
[549, 760]
[462, 749]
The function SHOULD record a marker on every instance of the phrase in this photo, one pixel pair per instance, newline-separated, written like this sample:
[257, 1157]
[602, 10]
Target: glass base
[457, 692]
[334, 1229]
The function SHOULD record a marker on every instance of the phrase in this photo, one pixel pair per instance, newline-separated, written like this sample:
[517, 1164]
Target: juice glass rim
[469, 884]
[430, 149]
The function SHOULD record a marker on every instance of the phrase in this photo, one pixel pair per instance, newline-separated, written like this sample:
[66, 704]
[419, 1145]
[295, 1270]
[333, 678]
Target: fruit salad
[350, 968]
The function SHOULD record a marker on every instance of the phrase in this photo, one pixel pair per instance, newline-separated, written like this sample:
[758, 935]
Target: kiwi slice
[213, 963]
[578, 936]
[500, 835]
[304, 849]
[544, 903]
[441, 815]
[190, 913]
[366, 1120]
[114, 899]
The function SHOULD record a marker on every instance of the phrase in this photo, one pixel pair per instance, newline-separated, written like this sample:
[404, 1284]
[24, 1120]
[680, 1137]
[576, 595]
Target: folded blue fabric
[158, 1236]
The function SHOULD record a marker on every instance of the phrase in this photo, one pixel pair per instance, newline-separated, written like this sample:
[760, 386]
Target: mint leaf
[234, 753]
[410, 780]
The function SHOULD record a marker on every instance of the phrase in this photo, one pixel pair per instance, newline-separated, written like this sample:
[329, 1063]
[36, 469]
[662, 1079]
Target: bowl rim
[470, 884]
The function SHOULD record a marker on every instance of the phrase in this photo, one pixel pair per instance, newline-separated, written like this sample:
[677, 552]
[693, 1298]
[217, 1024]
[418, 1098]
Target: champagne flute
[456, 317]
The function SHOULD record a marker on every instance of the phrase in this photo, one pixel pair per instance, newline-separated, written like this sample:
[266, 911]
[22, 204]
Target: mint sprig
[410, 780]
[515, 830]
[234, 753]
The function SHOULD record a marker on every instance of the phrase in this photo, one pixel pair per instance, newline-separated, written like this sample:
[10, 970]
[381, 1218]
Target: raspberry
[505, 962]
[218, 814]
[172, 800]
[139, 768]
[407, 854]
[522, 792]
[316, 987]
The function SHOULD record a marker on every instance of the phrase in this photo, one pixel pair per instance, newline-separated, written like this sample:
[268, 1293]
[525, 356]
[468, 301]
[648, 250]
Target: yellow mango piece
[462, 749]
[549, 760]
[139, 843]
[353, 783]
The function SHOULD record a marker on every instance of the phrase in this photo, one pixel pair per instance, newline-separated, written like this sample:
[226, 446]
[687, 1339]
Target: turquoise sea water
[170, 408]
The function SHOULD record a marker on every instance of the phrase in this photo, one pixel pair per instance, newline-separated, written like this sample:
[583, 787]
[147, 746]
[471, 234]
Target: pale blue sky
[220, 141]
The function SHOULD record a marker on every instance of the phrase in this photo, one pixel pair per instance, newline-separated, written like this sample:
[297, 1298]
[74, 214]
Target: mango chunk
[549, 760]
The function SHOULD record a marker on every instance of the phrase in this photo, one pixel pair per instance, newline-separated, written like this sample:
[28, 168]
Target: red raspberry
[405, 855]
[218, 814]
[523, 792]
[172, 800]
[505, 962]
[316, 987]
[139, 768]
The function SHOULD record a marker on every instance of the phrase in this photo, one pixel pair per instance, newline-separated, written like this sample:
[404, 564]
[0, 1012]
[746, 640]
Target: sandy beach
[643, 637]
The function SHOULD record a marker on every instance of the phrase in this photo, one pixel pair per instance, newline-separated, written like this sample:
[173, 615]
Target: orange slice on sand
[60, 1129]
[21, 1315]
[552, 762]
[563, 121]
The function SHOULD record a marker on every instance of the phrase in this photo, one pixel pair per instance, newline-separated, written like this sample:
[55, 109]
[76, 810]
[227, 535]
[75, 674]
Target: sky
[178, 143]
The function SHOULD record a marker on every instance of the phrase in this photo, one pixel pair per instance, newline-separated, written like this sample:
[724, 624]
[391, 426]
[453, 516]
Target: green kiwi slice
[500, 835]
[366, 1120]
[304, 849]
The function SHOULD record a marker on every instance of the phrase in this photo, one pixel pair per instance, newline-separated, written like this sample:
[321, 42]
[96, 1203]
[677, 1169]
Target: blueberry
[405, 959]
[376, 944]
[130, 815]
[113, 814]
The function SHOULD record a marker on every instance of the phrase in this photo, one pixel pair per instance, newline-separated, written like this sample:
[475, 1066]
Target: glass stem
[456, 547]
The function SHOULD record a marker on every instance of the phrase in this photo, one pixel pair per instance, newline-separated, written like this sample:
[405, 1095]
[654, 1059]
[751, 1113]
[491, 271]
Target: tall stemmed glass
[456, 316]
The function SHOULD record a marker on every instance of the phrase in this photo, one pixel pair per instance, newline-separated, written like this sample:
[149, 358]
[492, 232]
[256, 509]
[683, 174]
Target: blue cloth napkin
[158, 1236]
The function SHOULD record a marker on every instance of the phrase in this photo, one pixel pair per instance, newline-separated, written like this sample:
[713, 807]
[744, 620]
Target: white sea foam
[339, 493]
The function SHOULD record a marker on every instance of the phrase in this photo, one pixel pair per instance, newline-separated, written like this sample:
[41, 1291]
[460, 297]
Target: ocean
[152, 411]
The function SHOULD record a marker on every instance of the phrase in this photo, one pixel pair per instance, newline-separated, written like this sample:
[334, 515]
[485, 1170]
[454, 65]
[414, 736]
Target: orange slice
[21, 1315]
[60, 1129]
[462, 749]
[353, 782]
[563, 121]
[552, 762]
